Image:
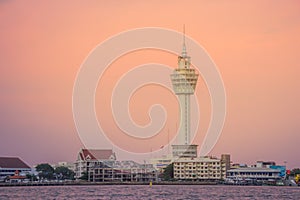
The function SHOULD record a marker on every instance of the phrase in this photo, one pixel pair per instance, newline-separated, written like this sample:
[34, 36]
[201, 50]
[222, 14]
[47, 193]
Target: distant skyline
[255, 45]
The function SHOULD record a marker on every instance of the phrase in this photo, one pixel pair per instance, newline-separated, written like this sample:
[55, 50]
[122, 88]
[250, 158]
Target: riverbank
[83, 183]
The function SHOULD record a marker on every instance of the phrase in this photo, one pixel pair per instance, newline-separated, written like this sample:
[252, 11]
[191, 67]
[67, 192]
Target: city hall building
[201, 168]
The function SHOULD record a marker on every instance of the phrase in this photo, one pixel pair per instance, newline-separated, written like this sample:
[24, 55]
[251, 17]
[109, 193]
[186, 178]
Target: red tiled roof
[17, 177]
[96, 154]
[12, 162]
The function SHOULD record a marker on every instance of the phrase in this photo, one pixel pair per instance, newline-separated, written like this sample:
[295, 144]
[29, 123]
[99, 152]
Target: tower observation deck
[184, 81]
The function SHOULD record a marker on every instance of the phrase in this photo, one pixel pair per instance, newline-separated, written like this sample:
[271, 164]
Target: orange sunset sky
[255, 44]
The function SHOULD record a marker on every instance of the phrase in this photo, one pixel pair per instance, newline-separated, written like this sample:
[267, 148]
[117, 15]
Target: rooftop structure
[264, 163]
[96, 154]
[12, 162]
[16, 177]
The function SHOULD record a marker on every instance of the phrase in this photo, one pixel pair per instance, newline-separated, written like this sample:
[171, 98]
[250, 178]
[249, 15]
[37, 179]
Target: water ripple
[143, 192]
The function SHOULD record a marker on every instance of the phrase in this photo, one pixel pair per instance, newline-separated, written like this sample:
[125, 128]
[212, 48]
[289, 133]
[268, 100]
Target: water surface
[142, 192]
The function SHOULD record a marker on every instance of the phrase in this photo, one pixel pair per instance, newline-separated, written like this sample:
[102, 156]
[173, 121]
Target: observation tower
[184, 81]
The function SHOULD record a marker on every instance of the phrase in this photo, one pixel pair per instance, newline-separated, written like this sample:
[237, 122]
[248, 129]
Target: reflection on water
[145, 192]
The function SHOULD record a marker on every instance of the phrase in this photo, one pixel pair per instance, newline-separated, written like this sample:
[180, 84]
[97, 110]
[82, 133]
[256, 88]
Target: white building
[121, 171]
[90, 157]
[161, 163]
[10, 165]
[253, 173]
[203, 168]
[263, 164]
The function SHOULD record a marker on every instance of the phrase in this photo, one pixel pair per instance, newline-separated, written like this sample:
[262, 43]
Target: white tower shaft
[184, 128]
[184, 80]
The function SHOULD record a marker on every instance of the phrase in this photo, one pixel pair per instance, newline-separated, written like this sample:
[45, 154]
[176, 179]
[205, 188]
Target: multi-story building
[161, 163]
[254, 173]
[261, 172]
[10, 165]
[90, 157]
[121, 171]
[225, 158]
[203, 168]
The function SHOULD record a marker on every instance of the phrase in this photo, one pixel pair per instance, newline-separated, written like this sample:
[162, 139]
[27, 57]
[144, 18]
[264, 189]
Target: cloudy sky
[255, 45]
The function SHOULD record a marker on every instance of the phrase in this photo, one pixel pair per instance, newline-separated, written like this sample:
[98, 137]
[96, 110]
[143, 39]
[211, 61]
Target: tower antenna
[168, 143]
[184, 34]
[183, 46]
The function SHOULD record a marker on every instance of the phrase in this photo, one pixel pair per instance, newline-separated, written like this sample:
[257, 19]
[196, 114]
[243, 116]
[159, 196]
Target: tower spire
[183, 53]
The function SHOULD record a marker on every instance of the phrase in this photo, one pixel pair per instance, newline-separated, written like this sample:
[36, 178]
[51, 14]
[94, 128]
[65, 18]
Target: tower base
[184, 151]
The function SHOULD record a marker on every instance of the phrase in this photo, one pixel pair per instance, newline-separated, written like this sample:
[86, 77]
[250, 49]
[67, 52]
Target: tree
[45, 171]
[64, 172]
[295, 171]
[169, 172]
[84, 176]
[31, 177]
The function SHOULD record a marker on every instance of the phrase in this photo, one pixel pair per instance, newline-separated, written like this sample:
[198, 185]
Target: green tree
[45, 171]
[64, 172]
[84, 176]
[31, 177]
[169, 172]
[295, 171]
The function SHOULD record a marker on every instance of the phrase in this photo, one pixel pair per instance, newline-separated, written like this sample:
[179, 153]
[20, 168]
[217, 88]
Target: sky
[255, 45]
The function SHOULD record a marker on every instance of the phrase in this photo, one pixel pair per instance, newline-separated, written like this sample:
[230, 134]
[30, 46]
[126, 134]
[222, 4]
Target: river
[142, 192]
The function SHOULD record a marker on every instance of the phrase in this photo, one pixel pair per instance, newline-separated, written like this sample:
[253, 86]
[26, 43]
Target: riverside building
[90, 157]
[121, 171]
[101, 165]
[254, 173]
[261, 171]
[201, 168]
[9, 166]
